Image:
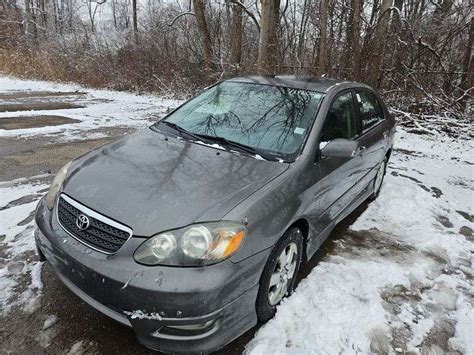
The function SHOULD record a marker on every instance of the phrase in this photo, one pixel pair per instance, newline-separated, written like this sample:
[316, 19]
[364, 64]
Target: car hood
[153, 182]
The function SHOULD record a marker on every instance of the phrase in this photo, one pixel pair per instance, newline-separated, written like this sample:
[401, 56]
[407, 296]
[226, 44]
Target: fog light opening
[195, 331]
[199, 326]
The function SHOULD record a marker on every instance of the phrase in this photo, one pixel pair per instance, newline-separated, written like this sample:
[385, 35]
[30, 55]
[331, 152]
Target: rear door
[372, 129]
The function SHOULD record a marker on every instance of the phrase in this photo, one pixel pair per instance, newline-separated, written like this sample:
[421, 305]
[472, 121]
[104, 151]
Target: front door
[339, 176]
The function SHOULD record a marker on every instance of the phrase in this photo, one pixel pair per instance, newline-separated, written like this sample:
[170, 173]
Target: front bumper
[210, 305]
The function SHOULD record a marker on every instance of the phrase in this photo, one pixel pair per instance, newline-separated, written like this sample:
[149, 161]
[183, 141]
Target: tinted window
[370, 111]
[270, 118]
[340, 120]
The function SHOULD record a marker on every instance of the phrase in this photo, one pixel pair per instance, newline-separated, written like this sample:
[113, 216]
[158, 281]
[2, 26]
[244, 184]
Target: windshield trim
[281, 157]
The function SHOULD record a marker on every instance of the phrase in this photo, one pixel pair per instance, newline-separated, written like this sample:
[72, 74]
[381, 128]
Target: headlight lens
[195, 245]
[56, 186]
[196, 242]
[163, 245]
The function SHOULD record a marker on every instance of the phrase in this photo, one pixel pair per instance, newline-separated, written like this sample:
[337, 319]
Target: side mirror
[340, 148]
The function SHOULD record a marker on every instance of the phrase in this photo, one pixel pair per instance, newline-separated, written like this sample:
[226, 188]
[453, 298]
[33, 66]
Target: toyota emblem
[82, 222]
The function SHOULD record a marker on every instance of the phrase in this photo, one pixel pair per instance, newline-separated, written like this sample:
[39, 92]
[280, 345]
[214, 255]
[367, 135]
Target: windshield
[269, 119]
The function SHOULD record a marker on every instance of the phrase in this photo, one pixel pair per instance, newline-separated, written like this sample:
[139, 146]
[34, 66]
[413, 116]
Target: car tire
[271, 292]
[378, 180]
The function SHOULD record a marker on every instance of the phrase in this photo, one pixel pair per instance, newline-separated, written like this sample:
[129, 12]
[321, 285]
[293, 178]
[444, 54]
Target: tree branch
[180, 15]
[250, 13]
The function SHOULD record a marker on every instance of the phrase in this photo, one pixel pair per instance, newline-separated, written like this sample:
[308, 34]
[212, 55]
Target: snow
[322, 145]
[48, 332]
[138, 314]
[18, 238]
[82, 347]
[7, 284]
[397, 269]
[103, 109]
[464, 334]
[45, 337]
[213, 145]
[36, 276]
[50, 321]
[334, 314]
[8, 195]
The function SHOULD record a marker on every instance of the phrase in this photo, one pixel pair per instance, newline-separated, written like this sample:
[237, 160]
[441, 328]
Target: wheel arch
[264, 310]
[303, 225]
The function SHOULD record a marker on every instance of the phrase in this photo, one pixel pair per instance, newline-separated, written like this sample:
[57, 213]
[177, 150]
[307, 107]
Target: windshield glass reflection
[267, 118]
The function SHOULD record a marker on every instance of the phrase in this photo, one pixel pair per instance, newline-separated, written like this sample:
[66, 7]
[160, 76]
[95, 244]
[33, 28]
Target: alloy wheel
[283, 274]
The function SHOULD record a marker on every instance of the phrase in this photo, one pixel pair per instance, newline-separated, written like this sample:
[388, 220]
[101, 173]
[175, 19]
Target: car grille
[102, 234]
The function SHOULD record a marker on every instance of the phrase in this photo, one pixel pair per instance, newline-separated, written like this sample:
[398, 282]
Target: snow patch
[18, 200]
[138, 314]
[400, 271]
[213, 145]
[50, 321]
[103, 108]
[45, 337]
[332, 310]
[463, 339]
[82, 347]
[36, 282]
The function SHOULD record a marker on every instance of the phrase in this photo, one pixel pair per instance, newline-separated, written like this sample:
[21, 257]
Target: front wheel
[379, 179]
[279, 275]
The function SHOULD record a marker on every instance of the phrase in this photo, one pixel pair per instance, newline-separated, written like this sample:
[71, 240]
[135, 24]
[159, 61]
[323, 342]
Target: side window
[369, 108]
[340, 120]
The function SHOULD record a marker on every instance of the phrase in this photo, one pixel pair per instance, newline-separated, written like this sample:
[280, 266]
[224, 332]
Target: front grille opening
[99, 235]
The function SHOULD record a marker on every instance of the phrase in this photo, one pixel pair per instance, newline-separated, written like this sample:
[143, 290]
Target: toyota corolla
[193, 230]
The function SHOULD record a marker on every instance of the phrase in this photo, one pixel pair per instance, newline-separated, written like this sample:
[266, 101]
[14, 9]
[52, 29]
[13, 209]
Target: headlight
[195, 245]
[56, 186]
[196, 242]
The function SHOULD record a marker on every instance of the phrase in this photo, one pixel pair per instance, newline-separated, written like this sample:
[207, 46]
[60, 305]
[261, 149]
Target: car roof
[321, 84]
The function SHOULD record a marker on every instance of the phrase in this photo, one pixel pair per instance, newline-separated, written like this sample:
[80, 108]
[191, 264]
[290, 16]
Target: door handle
[359, 150]
[385, 134]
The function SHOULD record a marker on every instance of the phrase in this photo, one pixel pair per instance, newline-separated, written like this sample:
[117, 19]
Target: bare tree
[236, 34]
[28, 18]
[468, 67]
[418, 53]
[379, 40]
[268, 43]
[200, 14]
[322, 53]
[135, 21]
[92, 8]
[354, 38]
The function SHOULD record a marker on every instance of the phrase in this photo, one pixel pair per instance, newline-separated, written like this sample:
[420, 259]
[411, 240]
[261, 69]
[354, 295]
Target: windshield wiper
[216, 139]
[180, 129]
[236, 145]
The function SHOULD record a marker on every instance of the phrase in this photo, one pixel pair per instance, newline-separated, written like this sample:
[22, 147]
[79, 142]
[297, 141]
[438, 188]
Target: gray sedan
[193, 230]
